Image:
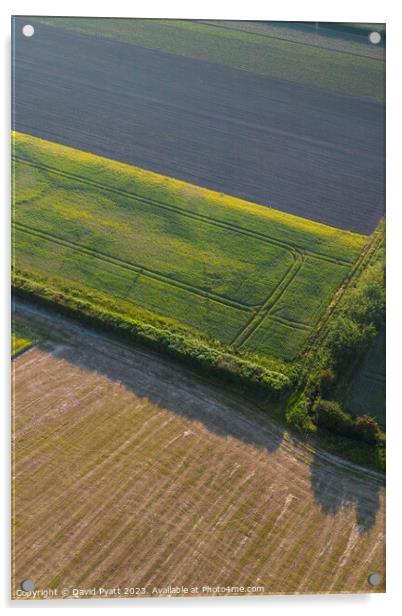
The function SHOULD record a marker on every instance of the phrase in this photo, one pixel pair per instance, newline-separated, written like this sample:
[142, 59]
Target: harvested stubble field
[251, 277]
[298, 127]
[132, 472]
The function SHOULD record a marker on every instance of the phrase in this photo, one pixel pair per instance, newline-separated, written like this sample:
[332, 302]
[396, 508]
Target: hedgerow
[329, 414]
[297, 415]
[216, 361]
[346, 339]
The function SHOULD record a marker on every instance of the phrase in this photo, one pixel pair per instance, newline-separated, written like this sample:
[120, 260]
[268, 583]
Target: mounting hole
[28, 30]
[374, 579]
[375, 38]
[27, 585]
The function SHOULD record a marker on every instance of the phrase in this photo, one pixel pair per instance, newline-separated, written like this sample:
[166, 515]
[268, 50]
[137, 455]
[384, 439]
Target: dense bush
[331, 416]
[366, 301]
[362, 313]
[346, 338]
[298, 417]
[367, 429]
[348, 341]
[327, 378]
[332, 359]
[380, 456]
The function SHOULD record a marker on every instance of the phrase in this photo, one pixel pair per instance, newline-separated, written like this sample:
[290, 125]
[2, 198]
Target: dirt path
[131, 472]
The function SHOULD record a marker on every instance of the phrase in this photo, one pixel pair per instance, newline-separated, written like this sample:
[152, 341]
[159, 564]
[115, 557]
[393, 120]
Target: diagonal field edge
[287, 40]
[256, 318]
[201, 217]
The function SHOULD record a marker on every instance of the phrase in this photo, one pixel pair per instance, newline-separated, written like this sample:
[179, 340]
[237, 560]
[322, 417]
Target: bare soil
[298, 148]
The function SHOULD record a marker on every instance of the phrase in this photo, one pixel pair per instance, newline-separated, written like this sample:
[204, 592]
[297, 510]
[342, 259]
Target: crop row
[293, 247]
[245, 275]
[139, 269]
[243, 334]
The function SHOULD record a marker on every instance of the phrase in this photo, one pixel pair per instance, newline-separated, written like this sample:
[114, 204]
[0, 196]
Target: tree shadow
[170, 385]
[335, 488]
[164, 381]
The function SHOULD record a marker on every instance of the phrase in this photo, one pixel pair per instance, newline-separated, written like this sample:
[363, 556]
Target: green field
[222, 268]
[344, 72]
[22, 338]
[366, 395]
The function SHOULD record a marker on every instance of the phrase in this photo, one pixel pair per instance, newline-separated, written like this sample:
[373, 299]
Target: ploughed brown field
[298, 147]
[131, 472]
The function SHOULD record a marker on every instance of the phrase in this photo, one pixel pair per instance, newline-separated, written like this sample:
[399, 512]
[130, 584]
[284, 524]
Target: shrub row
[297, 415]
[347, 338]
[330, 415]
[350, 334]
[208, 359]
[359, 439]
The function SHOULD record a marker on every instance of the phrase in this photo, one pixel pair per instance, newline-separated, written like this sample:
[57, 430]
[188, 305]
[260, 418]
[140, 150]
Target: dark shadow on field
[169, 385]
[162, 380]
[335, 488]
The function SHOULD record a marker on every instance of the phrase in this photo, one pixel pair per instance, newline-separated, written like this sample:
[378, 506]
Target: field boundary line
[269, 303]
[194, 215]
[146, 272]
[281, 38]
[364, 258]
[308, 446]
[24, 350]
[167, 206]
